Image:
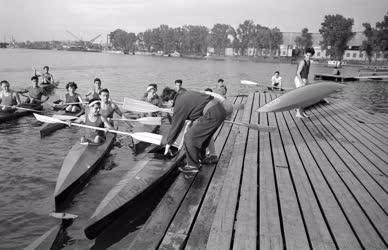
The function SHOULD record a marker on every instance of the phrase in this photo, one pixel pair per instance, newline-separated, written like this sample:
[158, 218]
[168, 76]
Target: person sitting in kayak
[8, 98]
[35, 93]
[191, 105]
[95, 92]
[108, 108]
[47, 77]
[152, 97]
[220, 83]
[276, 81]
[94, 118]
[72, 97]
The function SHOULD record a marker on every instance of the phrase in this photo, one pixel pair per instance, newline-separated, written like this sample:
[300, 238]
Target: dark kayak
[7, 116]
[140, 180]
[78, 166]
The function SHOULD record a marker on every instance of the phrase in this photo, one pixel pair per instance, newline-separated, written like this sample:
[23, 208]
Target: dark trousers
[197, 138]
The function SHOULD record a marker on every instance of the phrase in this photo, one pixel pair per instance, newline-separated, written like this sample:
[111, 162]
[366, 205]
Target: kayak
[49, 128]
[142, 179]
[50, 88]
[78, 166]
[7, 116]
[300, 97]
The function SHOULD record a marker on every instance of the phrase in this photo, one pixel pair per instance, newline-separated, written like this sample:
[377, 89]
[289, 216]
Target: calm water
[29, 165]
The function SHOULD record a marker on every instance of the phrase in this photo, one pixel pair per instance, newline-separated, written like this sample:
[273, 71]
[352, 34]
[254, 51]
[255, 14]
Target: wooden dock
[335, 78]
[317, 183]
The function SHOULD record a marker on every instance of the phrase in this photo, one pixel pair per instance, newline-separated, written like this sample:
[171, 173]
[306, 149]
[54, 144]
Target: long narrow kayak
[79, 164]
[6, 116]
[300, 97]
[47, 240]
[143, 178]
[139, 146]
[49, 128]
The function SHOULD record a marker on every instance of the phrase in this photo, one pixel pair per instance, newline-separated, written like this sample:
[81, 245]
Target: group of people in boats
[206, 110]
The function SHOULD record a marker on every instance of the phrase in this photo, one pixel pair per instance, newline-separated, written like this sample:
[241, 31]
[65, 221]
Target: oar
[21, 108]
[144, 120]
[141, 136]
[263, 128]
[63, 216]
[246, 82]
[142, 106]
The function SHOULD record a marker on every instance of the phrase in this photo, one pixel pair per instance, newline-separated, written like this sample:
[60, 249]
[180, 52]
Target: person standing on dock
[193, 106]
[302, 74]
[8, 98]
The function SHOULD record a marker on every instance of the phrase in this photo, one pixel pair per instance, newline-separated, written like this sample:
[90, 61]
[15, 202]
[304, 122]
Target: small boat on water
[25, 110]
[142, 179]
[49, 128]
[78, 166]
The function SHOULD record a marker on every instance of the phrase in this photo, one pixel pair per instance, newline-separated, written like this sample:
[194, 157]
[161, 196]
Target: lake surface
[30, 165]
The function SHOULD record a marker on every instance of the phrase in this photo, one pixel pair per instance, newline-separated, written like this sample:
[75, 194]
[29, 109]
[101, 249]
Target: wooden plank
[151, 234]
[294, 231]
[346, 187]
[200, 232]
[378, 132]
[270, 225]
[368, 133]
[360, 149]
[221, 231]
[318, 231]
[245, 235]
[177, 233]
[364, 116]
[311, 155]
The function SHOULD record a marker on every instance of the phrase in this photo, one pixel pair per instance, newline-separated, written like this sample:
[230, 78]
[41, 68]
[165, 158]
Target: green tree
[246, 33]
[219, 37]
[123, 40]
[276, 40]
[305, 40]
[382, 34]
[195, 39]
[336, 32]
[370, 44]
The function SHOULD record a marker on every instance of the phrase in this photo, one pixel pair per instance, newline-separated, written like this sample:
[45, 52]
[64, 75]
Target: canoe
[142, 179]
[78, 166]
[6, 116]
[49, 128]
[300, 97]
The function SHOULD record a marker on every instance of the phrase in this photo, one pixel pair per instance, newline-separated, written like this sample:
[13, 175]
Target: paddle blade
[47, 119]
[148, 137]
[150, 120]
[246, 82]
[139, 106]
[63, 216]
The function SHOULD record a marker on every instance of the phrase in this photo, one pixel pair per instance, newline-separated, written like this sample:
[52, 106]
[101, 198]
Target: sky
[43, 20]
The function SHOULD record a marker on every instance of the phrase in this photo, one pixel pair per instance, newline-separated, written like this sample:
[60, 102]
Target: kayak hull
[142, 179]
[300, 97]
[49, 128]
[5, 116]
[77, 168]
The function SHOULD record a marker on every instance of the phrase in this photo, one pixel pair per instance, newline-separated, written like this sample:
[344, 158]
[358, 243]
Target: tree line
[336, 32]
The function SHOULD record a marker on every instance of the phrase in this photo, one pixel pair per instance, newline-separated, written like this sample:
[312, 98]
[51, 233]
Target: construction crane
[80, 39]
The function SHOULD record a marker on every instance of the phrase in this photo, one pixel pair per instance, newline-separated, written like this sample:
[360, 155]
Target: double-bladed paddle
[246, 82]
[259, 127]
[141, 136]
[142, 106]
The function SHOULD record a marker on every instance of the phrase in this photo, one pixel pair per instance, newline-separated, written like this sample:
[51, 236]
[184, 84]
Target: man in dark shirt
[190, 105]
